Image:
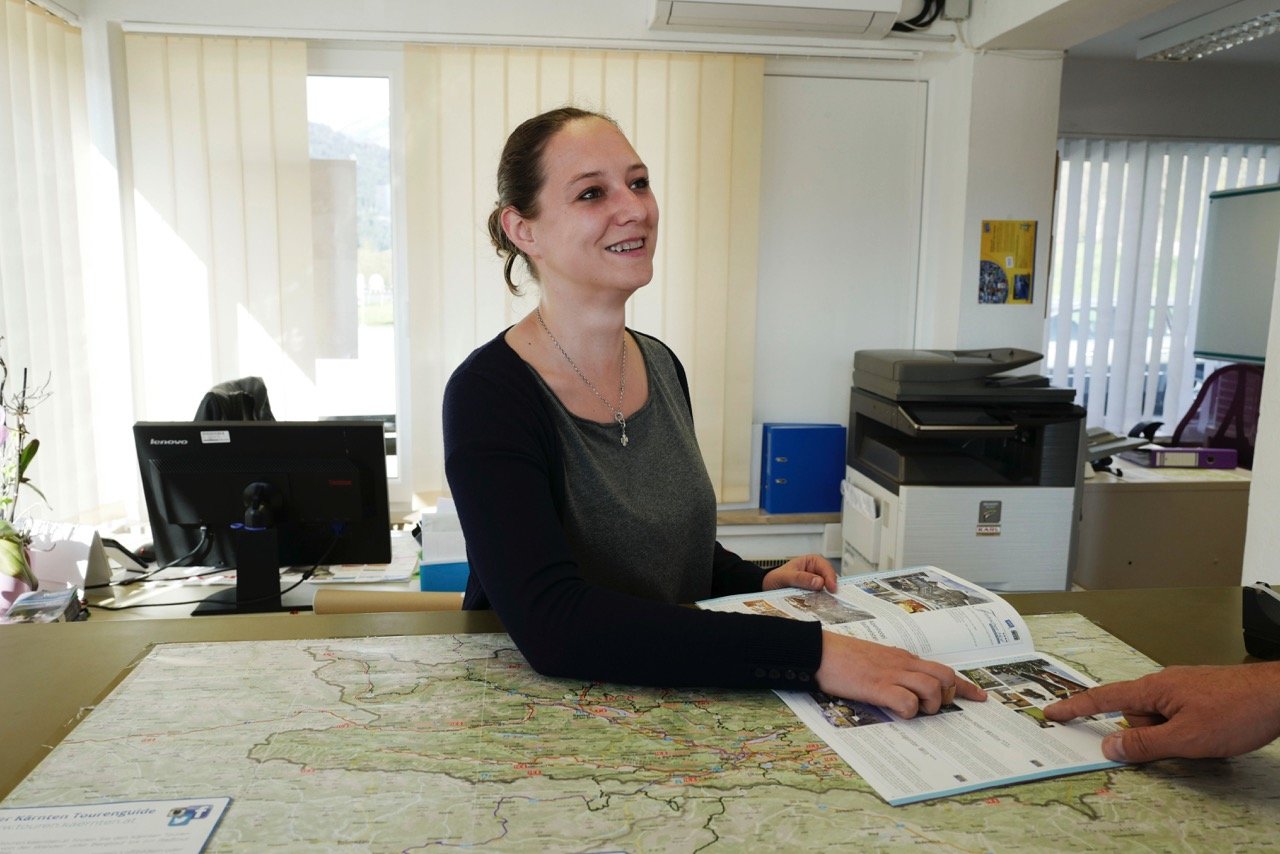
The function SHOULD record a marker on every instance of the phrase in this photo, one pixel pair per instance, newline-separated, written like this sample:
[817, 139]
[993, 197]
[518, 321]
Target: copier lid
[941, 365]
[953, 376]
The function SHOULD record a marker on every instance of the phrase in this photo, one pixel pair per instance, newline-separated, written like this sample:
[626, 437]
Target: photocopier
[953, 462]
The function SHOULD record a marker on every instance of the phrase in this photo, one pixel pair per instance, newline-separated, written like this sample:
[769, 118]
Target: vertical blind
[43, 287]
[694, 119]
[1127, 247]
[222, 219]
[218, 235]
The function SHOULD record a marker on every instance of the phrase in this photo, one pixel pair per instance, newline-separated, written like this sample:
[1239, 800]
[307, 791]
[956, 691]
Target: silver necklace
[615, 411]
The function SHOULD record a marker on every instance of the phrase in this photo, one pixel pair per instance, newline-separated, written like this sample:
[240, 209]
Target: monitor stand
[257, 589]
[225, 602]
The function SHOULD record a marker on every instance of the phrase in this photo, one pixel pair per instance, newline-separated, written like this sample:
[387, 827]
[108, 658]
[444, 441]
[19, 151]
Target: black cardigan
[506, 474]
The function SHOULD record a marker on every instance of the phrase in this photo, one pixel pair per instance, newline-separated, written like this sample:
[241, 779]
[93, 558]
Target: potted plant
[17, 449]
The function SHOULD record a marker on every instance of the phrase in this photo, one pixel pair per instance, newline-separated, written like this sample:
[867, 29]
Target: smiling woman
[585, 533]
[588, 238]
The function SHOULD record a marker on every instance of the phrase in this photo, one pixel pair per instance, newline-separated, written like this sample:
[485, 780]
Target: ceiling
[1123, 42]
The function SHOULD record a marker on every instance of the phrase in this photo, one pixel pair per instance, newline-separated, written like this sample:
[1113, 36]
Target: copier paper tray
[958, 420]
[939, 417]
[904, 460]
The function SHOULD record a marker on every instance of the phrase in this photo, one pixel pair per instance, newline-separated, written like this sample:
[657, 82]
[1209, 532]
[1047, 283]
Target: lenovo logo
[169, 442]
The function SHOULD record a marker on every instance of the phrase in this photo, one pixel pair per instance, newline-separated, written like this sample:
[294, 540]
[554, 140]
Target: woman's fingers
[808, 572]
[890, 677]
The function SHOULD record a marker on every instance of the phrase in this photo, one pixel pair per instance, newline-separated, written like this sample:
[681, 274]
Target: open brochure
[967, 745]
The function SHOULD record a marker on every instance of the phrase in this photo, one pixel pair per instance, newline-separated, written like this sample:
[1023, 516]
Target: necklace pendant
[622, 422]
[622, 375]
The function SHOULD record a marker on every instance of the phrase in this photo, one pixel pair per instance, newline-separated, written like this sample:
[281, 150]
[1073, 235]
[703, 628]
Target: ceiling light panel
[1232, 25]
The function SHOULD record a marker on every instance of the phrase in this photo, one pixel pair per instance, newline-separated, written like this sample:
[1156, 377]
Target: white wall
[1196, 101]
[1011, 175]
[866, 256]
[878, 248]
[849, 259]
[622, 24]
[990, 155]
[1102, 97]
[839, 227]
[1262, 535]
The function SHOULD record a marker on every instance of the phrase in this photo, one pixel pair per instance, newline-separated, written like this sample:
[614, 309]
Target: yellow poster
[1008, 261]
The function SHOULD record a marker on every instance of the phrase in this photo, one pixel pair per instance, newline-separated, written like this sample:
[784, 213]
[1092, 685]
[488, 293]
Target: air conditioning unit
[860, 19]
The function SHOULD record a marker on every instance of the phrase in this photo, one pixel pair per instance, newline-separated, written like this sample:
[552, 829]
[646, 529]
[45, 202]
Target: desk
[752, 533]
[769, 538]
[155, 596]
[162, 601]
[55, 671]
[1162, 527]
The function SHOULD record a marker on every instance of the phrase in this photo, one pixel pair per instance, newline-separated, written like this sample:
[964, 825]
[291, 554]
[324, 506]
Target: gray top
[640, 519]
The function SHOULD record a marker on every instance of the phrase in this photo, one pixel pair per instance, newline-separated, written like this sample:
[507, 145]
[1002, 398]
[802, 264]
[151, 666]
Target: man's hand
[1191, 712]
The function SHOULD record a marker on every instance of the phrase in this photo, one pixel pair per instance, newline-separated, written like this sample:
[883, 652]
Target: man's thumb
[1140, 744]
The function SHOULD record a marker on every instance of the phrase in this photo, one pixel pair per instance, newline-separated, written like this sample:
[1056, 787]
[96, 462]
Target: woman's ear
[519, 231]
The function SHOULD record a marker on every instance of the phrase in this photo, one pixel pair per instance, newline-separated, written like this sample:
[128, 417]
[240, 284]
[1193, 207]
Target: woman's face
[597, 224]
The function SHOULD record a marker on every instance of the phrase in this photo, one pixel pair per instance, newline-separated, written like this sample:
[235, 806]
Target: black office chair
[244, 399]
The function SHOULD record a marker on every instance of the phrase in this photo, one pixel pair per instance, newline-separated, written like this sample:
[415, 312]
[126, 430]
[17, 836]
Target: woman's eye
[640, 184]
[592, 193]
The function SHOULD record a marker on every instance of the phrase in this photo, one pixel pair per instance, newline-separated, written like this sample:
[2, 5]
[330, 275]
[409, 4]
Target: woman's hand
[889, 677]
[886, 676]
[808, 572]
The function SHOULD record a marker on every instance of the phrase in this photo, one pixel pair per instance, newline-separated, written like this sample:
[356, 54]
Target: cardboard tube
[330, 600]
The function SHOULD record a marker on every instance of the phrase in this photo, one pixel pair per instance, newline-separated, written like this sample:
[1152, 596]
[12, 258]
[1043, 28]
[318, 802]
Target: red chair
[1225, 413]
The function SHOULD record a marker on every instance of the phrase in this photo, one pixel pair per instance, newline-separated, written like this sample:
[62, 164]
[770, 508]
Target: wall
[840, 226]
[1262, 536]
[870, 221]
[622, 24]
[1103, 97]
[981, 140]
[1208, 100]
[1011, 175]
[988, 147]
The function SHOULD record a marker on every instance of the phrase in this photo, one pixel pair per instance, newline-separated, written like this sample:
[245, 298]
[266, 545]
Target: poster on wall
[1007, 265]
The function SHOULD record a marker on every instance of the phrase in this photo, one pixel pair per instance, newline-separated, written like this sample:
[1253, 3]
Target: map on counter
[395, 743]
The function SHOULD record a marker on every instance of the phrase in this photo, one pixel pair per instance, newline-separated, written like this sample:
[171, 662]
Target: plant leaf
[28, 453]
[31, 486]
[13, 561]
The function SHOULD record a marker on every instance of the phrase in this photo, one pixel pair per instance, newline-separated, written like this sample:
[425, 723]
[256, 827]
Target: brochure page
[967, 745]
[922, 609]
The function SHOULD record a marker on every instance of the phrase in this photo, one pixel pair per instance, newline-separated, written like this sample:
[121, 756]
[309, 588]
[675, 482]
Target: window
[349, 129]
[1129, 231]
[270, 208]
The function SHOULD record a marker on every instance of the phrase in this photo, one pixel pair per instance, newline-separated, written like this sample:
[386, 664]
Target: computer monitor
[262, 495]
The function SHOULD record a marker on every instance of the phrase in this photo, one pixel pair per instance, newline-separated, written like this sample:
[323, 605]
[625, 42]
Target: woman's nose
[631, 206]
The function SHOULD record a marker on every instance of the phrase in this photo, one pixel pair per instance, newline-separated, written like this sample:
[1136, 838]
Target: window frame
[329, 60]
